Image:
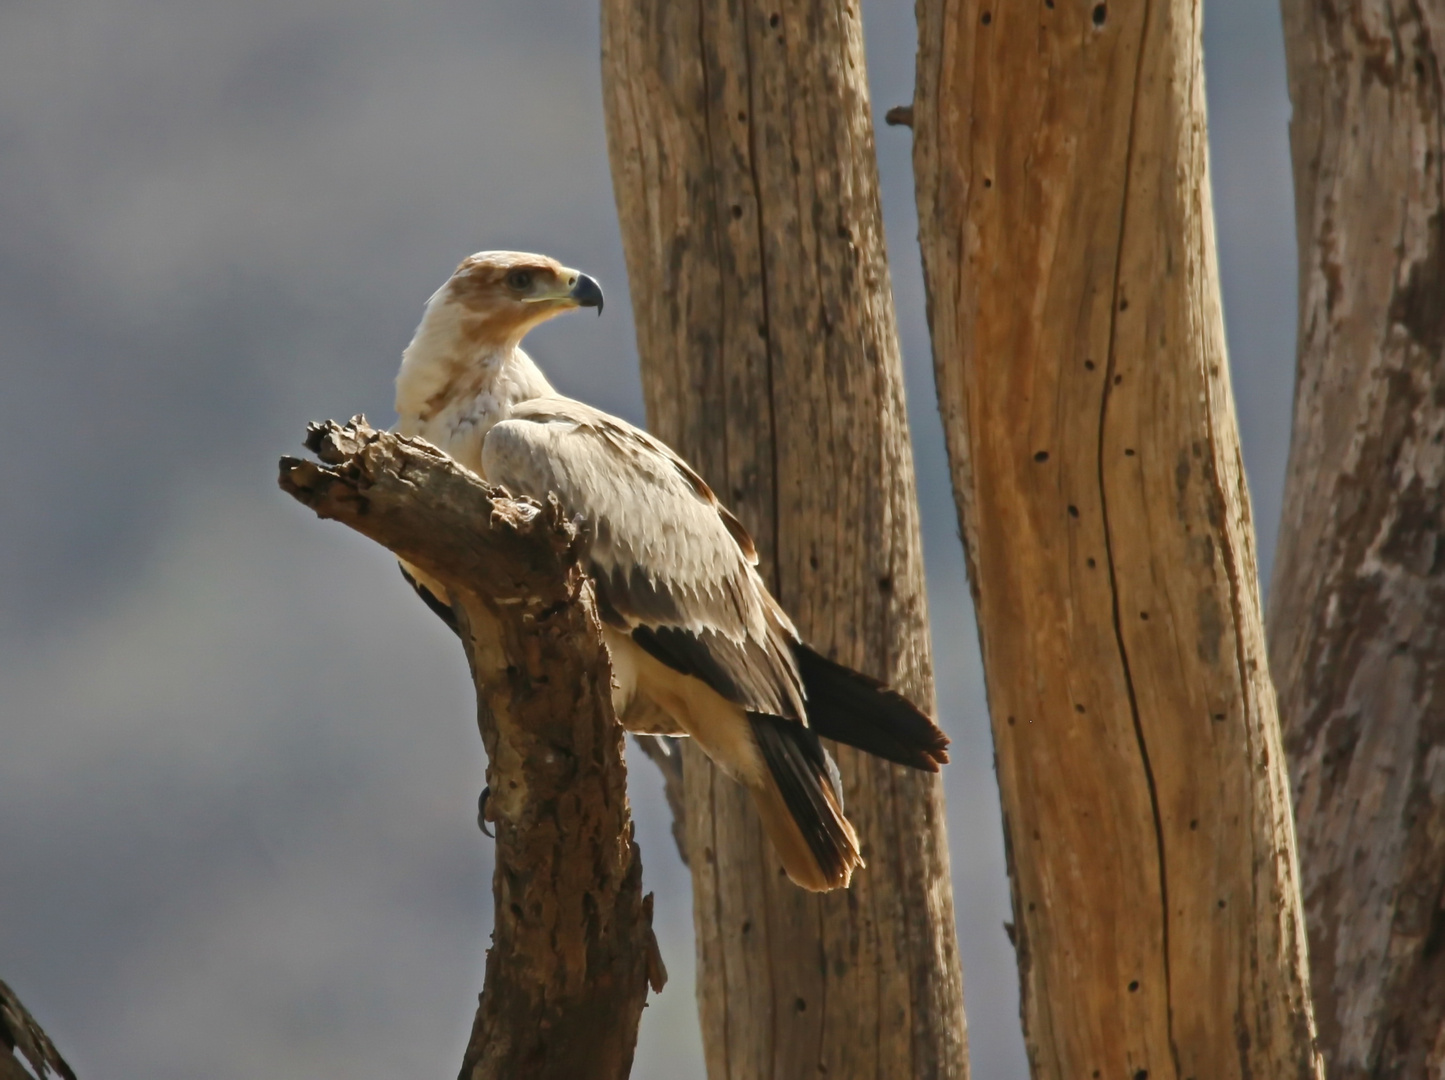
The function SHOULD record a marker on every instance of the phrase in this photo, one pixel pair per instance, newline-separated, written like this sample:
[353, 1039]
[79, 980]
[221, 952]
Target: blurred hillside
[239, 770]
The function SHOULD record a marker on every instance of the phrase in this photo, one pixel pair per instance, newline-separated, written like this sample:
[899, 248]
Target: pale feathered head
[495, 297]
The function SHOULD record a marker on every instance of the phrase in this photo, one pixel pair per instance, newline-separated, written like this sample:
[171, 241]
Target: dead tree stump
[573, 951]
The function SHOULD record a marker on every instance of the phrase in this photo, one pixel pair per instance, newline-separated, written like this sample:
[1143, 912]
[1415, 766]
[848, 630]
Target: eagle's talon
[482, 812]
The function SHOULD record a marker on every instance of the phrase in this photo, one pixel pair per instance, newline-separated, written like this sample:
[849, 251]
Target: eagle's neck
[453, 387]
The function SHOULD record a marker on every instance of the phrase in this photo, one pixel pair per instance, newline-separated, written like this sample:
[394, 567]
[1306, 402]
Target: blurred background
[238, 760]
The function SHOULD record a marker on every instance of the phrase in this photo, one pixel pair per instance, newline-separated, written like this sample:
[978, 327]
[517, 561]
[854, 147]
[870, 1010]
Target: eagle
[698, 645]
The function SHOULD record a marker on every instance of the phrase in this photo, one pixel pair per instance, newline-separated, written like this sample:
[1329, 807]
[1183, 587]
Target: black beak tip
[587, 293]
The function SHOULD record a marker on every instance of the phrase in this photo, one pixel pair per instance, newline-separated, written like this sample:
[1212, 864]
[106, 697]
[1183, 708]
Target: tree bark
[742, 159]
[573, 950]
[1357, 607]
[1068, 243]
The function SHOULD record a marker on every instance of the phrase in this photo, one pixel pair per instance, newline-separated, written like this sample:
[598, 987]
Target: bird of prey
[698, 645]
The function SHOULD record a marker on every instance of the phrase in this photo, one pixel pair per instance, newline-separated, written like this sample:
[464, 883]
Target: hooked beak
[586, 293]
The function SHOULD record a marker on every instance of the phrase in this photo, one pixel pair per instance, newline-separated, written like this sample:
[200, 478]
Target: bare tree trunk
[742, 159]
[1068, 241]
[1357, 607]
[573, 951]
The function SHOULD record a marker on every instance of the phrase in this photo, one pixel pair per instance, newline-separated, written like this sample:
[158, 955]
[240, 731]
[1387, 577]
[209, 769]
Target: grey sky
[239, 768]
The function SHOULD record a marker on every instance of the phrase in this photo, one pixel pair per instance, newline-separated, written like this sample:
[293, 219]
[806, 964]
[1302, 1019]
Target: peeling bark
[1068, 240]
[572, 950]
[1357, 605]
[742, 158]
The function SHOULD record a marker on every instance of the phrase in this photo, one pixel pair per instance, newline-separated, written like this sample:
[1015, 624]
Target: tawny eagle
[698, 645]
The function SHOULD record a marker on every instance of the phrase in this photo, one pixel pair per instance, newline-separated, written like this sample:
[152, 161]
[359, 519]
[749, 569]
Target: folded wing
[673, 568]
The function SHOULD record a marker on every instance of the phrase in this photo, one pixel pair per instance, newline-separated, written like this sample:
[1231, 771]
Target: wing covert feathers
[672, 566]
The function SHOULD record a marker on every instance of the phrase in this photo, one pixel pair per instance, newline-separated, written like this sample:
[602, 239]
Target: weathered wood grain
[1068, 243]
[742, 158]
[1357, 604]
[572, 950]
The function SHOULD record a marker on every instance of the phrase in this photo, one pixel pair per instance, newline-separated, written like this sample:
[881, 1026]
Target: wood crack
[1115, 303]
[724, 323]
[766, 330]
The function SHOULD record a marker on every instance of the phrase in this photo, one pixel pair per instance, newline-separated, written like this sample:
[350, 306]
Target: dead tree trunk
[573, 951]
[742, 159]
[1068, 241]
[1357, 607]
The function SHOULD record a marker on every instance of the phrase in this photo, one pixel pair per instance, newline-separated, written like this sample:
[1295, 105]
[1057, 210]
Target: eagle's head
[473, 325]
[495, 297]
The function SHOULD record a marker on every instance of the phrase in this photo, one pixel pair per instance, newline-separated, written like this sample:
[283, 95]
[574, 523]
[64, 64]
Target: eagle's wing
[20, 1032]
[673, 567]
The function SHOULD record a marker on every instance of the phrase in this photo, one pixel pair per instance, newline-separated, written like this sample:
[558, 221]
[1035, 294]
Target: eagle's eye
[519, 280]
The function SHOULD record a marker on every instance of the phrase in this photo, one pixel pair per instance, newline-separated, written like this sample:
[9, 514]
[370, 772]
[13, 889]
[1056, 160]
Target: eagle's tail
[801, 805]
[854, 709]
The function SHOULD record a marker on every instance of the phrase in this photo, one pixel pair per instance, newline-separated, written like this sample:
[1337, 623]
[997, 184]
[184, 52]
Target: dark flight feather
[851, 708]
[744, 672]
[800, 767]
[442, 611]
